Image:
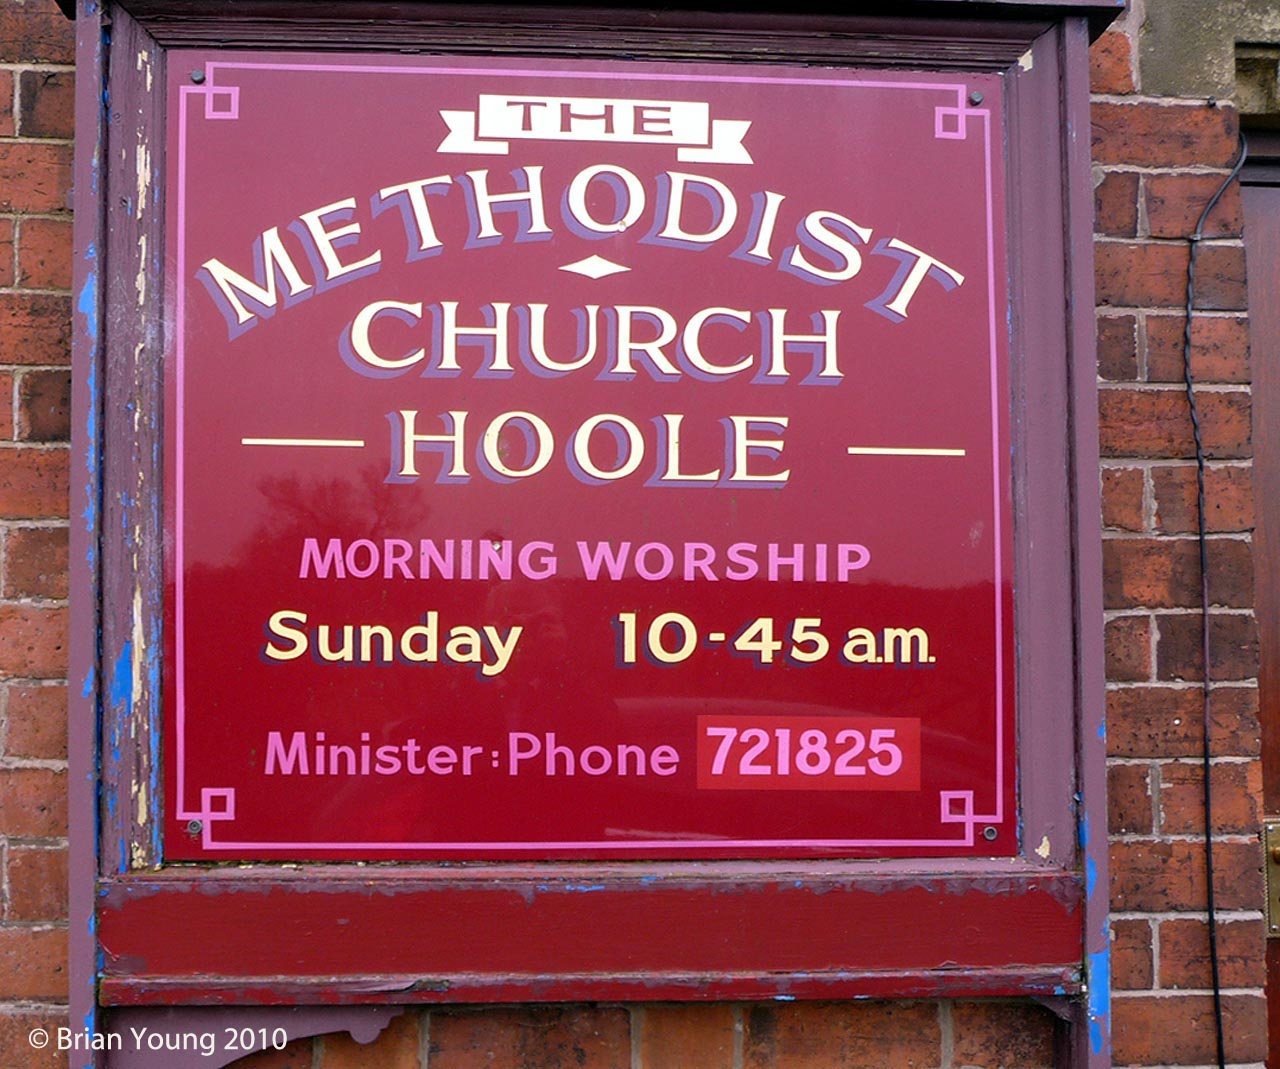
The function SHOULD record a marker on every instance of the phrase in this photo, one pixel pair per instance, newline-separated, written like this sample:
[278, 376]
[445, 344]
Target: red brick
[1142, 274]
[44, 406]
[1115, 205]
[1131, 965]
[48, 101]
[44, 254]
[686, 1036]
[1228, 495]
[7, 257]
[822, 1035]
[35, 562]
[1129, 800]
[1219, 348]
[14, 1029]
[995, 1035]
[36, 31]
[1180, 1030]
[33, 963]
[34, 177]
[1184, 954]
[1165, 574]
[1164, 135]
[6, 405]
[1156, 423]
[37, 884]
[1123, 508]
[1111, 63]
[1167, 722]
[33, 641]
[35, 328]
[1159, 877]
[1118, 348]
[1233, 647]
[33, 803]
[37, 721]
[7, 126]
[1237, 795]
[296, 1055]
[33, 483]
[550, 1037]
[1128, 643]
[396, 1048]
[1176, 201]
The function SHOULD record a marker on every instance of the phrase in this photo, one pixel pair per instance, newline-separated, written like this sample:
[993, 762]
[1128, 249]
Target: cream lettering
[332, 244]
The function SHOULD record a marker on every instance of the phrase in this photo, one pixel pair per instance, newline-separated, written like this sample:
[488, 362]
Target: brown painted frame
[146, 934]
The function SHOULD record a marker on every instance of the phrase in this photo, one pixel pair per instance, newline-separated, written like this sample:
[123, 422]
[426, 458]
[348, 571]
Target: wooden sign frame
[156, 934]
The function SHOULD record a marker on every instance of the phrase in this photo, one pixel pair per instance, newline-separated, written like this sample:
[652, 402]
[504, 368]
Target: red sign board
[585, 459]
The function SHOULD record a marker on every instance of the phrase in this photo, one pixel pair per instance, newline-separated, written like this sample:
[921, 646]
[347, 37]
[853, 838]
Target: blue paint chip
[784, 998]
[1084, 831]
[584, 888]
[87, 305]
[121, 690]
[1099, 978]
[1090, 876]
[1102, 730]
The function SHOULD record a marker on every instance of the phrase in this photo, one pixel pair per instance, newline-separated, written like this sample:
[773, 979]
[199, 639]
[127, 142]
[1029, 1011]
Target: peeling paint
[1090, 864]
[1026, 61]
[1044, 849]
[137, 645]
[140, 801]
[144, 64]
[120, 690]
[140, 281]
[1099, 1000]
[142, 164]
[87, 304]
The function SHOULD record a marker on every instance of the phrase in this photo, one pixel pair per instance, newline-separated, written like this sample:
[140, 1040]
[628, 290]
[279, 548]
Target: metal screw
[197, 77]
[975, 98]
[989, 833]
[194, 827]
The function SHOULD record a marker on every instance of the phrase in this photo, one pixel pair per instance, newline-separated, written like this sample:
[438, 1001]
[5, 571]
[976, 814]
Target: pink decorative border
[217, 804]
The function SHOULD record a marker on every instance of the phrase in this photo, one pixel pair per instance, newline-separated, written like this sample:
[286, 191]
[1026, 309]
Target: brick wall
[847, 1035]
[1156, 161]
[36, 52]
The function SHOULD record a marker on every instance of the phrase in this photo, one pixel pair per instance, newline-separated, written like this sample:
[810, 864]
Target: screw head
[975, 98]
[194, 827]
[197, 77]
[989, 833]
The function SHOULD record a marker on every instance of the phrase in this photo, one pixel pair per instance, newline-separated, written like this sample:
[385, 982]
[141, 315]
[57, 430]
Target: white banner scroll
[688, 125]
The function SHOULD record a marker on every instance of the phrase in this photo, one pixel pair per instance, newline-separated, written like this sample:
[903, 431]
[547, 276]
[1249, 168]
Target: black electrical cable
[1196, 237]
